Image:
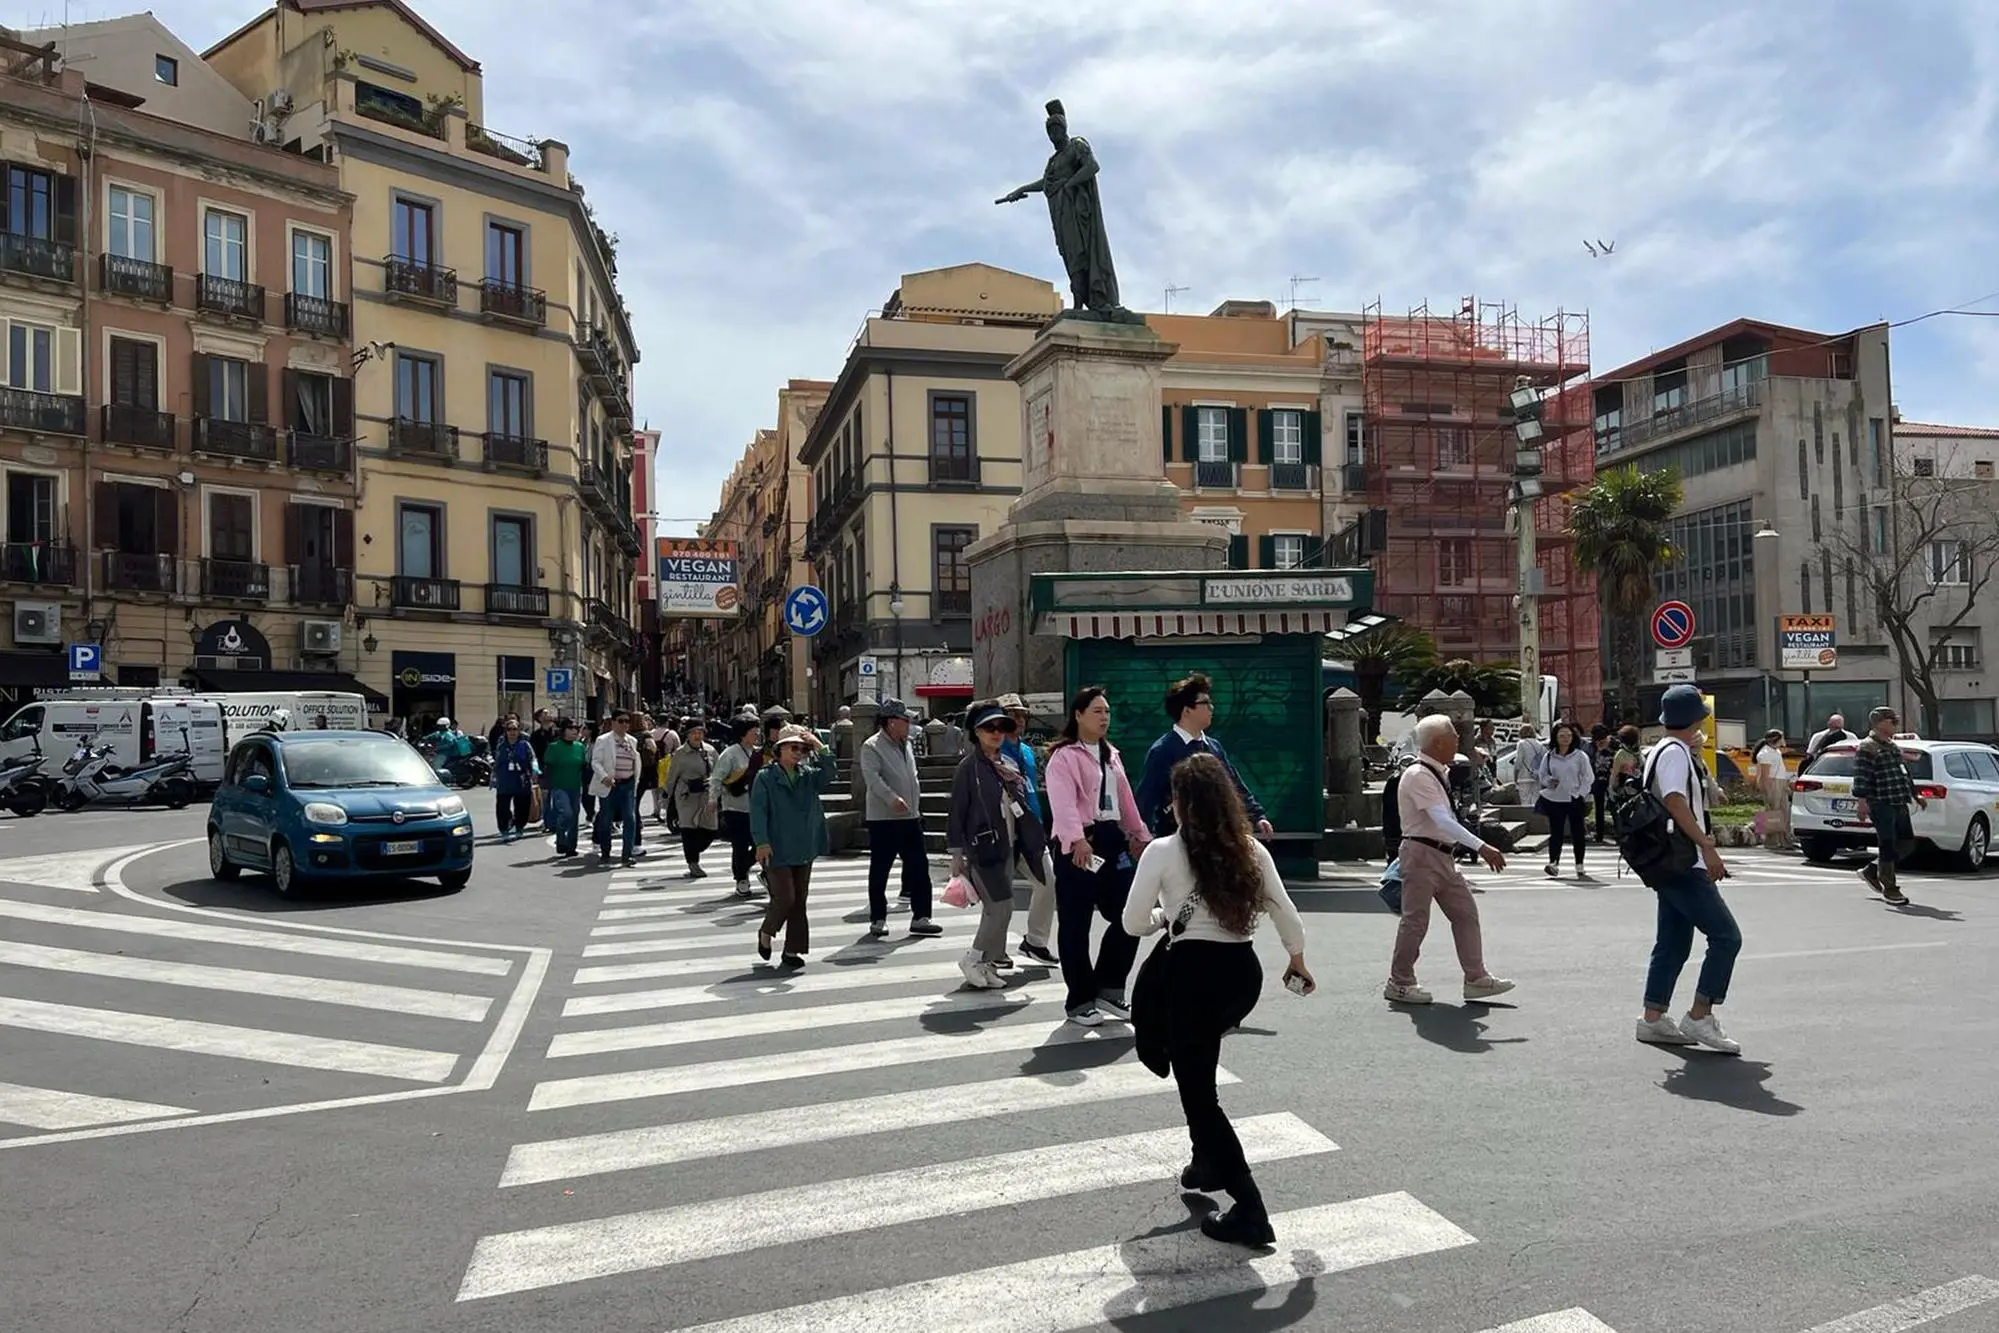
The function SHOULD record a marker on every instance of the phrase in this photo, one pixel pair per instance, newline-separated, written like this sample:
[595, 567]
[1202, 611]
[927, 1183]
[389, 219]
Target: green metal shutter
[1266, 552]
[1166, 431]
[1313, 425]
[1190, 434]
[1238, 552]
[1266, 433]
[1238, 435]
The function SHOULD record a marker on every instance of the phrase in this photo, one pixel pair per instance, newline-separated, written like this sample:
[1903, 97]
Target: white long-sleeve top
[1165, 880]
[1567, 777]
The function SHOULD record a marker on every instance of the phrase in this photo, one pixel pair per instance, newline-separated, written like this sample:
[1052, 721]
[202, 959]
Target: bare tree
[1924, 557]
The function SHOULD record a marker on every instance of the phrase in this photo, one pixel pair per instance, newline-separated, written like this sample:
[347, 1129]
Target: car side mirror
[257, 784]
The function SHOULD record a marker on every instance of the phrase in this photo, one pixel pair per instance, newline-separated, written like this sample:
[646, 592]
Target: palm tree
[1395, 649]
[1494, 687]
[1622, 528]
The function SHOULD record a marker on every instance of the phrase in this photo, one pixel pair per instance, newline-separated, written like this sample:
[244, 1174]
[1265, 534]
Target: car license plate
[401, 848]
[1844, 807]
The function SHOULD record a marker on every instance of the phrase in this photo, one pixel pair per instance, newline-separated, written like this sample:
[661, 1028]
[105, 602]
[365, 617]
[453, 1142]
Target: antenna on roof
[1296, 283]
[1172, 292]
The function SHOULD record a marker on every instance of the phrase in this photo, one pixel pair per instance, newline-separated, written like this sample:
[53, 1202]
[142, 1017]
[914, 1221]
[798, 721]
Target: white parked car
[1959, 779]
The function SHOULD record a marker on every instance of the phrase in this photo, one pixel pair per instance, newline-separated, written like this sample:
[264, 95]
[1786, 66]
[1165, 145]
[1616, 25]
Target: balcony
[954, 602]
[1215, 476]
[418, 280]
[507, 304]
[45, 564]
[42, 413]
[321, 585]
[414, 593]
[627, 534]
[1293, 477]
[125, 571]
[321, 453]
[229, 297]
[142, 427]
[510, 599]
[246, 580]
[594, 351]
[137, 278]
[236, 439]
[1353, 478]
[315, 315]
[1740, 400]
[516, 451]
[607, 621]
[34, 257]
[423, 439]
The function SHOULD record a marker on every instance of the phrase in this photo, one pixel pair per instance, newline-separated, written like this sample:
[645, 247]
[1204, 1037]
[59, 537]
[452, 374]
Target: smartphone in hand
[1296, 983]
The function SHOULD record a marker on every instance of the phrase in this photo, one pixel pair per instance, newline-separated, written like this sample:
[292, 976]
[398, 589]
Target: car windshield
[1839, 764]
[353, 761]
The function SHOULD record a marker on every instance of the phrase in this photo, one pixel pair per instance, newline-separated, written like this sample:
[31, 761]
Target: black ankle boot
[1248, 1223]
[1201, 1178]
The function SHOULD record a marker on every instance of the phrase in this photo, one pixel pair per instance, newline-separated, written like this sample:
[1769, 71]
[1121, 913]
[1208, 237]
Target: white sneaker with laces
[1707, 1031]
[1409, 994]
[1663, 1031]
[990, 978]
[1486, 987]
[970, 965]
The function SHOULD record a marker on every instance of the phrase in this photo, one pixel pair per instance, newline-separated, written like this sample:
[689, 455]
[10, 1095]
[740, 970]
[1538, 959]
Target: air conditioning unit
[37, 622]
[280, 101]
[320, 638]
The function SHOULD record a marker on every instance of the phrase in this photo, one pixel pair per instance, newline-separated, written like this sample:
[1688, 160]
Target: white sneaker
[1707, 1031]
[1662, 1031]
[1087, 1018]
[1486, 987]
[1409, 994]
[970, 965]
[1111, 1009]
[989, 978]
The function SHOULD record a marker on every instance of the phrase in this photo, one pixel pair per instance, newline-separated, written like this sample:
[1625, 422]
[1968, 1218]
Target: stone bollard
[860, 725]
[1460, 707]
[940, 739]
[1346, 770]
[844, 739]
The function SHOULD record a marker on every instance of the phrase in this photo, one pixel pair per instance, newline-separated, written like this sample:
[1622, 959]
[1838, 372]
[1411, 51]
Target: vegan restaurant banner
[698, 577]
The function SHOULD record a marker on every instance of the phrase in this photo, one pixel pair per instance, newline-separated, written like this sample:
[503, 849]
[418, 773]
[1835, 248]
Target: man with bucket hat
[1882, 784]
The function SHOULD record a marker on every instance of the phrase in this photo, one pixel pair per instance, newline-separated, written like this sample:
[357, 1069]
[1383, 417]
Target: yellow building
[493, 411]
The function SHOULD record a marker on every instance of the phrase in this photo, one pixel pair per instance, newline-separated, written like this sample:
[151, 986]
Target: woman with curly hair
[1210, 883]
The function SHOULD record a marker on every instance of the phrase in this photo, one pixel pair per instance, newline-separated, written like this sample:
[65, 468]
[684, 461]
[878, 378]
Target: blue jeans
[613, 806]
[1690, 902]
[1894, 836]
[559, 812]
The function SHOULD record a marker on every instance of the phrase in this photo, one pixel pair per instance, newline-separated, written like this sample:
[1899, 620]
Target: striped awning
[1176, 624]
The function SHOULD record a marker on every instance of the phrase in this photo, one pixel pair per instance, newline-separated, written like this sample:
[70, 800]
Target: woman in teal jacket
[788, 826]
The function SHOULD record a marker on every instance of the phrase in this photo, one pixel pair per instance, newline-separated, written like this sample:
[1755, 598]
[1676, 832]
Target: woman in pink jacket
[1098, 836]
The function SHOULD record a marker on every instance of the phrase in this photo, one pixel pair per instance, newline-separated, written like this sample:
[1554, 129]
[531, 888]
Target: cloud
[772, 168]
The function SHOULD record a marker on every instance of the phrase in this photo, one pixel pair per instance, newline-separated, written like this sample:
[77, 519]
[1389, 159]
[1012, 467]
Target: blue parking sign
[558, 680]
[86, 661]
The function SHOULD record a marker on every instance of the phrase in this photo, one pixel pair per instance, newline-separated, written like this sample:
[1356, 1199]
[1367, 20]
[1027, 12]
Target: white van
[141, 730]
[243, 714]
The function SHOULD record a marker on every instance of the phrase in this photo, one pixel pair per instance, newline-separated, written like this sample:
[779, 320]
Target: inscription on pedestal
[1040, 434]
[1113, 429]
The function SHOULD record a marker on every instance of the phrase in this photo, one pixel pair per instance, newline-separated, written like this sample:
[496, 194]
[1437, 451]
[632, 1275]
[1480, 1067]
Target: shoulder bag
[1650, 841]
[1149, 1008]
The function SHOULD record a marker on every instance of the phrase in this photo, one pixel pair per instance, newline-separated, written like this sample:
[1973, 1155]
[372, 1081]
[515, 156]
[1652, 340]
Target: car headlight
[451, 807]
[462, 831]
[324, 812]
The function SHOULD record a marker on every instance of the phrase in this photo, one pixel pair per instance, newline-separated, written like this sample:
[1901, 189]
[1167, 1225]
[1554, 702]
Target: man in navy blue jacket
[1191, 705]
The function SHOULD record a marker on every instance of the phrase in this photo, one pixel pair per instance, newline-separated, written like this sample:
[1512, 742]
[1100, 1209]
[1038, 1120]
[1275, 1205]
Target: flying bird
[1600, 249]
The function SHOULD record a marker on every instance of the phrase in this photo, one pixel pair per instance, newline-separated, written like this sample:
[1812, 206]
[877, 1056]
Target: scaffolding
[1439, 455]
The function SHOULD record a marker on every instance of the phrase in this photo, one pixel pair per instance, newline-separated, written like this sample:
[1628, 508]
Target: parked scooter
[90, 775]
[24, 788]
[466, 770]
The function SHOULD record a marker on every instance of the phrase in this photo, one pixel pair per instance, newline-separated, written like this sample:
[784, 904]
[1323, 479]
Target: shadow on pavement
[1309, 899]
[1457, 1029]
[1238, 1312]
[254, 893]
[1711, 1076]
[1932, 913]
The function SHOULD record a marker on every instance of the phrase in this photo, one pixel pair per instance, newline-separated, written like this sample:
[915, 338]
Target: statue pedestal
[1094, 493]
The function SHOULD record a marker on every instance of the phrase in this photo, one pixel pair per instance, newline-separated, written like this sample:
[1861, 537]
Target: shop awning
[943, 691]
[1188, 624]
[257, 682]
[34, 671]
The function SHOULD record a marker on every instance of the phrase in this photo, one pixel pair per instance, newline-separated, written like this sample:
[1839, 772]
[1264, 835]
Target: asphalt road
[563, 1100]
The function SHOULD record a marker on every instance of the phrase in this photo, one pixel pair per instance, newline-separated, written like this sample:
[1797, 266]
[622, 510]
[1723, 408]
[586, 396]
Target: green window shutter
[1313, 425]
[1166, 431]
[1266, 433]
[1315, 549]
[1190, 434]
[1238, 552]
[1238, 435]
[1266, 552]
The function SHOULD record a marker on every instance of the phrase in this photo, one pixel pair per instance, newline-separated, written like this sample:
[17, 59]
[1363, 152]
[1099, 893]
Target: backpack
[1651, 843]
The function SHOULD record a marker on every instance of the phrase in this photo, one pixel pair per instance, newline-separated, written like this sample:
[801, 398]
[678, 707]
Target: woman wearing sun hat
[788, 826]
[991, 825]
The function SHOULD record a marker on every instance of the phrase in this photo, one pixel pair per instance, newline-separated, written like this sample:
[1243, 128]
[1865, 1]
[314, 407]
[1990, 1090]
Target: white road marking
[765, 986]
[166, 928]
[1085, 1288]
[827, 913]
[769, 1022]
[654, 910]
[721, 962]
[1577, 1320]
[1844, 949]
[687, 1141]
[352, 994]
[64, 870]
[575, 1252]
[1915, 1311]
[46, 1108]
[236, 1043]
[594, 1089]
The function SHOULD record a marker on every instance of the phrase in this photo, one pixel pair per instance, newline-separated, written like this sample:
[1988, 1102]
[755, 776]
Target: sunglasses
[1204, 703]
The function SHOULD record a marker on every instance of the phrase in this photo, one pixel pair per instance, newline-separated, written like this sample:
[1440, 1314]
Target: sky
[772, 167]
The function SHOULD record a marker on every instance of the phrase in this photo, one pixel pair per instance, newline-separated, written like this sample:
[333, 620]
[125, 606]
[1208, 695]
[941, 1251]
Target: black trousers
[890, 840]
[510, 810]
[693, 842]
[736, 828]
[1600, 793]
[1211, 987]
[1565, 817]
[1080, 896]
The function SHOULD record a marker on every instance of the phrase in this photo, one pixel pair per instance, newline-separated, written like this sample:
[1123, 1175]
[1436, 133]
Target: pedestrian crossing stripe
[1577, 1320]
[880, 953]
[75, 871]
[658, 1238]
[764, 985]
[772, 1022]
[48, 1108]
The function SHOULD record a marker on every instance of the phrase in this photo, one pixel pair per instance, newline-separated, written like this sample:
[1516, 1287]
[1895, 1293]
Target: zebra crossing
[1525, 873]
[873, 1044]
[116, 1016]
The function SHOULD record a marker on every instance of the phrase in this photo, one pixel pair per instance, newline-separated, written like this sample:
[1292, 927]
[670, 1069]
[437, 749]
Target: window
[1212, 424]
[1609, 425]
[1982, 469]
[420, 542]
[506, 256]
[1356, 439]
[412, 231]
[1454, 562]
[1877, 451]
[513, 550]
[1950, 563]
[1966, 717]
[1669, 391]
[951, 457]
[231, 526]
[135, 374]
[311, 407]
[31, 507]
[1985, 764]
[228, 389]
[1741, 374]
[226, 245]
[1923, 467]
[1880, 526]
[1287, 437]
[952, 576]
[1454, 448]
[31, 357]
[1287, 550]
[416, 388]
[516, 684]
[30, 203]
[144, 519]
[507, 405]
[166, 70]
[312, 265]
[1954, 656]
[1717, 577]
[131, 224]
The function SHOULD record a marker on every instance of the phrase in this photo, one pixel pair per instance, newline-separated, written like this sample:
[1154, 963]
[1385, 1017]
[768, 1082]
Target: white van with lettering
[244, 714]
[140, 730]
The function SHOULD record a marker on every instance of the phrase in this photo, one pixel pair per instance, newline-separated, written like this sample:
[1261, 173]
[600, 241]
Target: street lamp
[1526, 404]
[1763, 558]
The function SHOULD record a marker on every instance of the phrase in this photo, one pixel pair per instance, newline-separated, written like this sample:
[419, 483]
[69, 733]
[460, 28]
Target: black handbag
[1647, 837]
[1106, 836]
[1149, 1011]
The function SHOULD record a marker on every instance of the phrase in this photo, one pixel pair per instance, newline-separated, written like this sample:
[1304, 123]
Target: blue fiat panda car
[307, 806]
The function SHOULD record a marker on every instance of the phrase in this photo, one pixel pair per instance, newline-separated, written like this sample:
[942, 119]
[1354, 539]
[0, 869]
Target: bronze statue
[1070, 183]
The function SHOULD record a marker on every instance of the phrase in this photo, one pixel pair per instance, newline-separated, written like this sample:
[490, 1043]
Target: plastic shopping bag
[1391, 886]
[959, 892]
